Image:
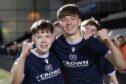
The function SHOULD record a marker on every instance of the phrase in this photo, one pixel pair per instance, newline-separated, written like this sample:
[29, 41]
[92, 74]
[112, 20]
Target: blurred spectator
[57, 29]
[3, 50]
[121, 43]
[92, 26]
[13, 49]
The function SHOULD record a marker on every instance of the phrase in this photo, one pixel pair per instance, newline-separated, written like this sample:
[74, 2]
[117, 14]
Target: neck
[41, 54]
[73, 38]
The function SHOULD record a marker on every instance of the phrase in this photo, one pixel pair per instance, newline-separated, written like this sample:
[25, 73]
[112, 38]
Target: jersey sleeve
[97, 46]
[103, 49]
[108, 67]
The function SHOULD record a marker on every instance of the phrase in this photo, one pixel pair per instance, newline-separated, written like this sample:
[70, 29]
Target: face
[58, 31]
[70, 24]
[117, 42]
[91, 28]
[43, 41]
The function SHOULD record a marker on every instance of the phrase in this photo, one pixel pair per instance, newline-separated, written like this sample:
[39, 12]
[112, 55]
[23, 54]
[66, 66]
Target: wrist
[108, 42]
[23, 56]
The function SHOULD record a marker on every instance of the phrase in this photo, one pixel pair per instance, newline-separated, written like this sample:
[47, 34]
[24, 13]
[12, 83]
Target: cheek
[37, 41]
[53, 38]
[78, 22]
[93, 31]
[63, 24]
[49, 43]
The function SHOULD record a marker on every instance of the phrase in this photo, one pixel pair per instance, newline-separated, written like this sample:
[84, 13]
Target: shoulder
[59, 38]
[59, 41]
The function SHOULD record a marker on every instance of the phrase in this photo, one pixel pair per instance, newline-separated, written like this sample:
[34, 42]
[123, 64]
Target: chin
[46, 50]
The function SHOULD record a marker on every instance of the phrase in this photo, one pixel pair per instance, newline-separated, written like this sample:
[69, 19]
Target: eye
[63, 19]
[94, 30]
[86, 27]
[38, 37]
[73, 17]
[48, 36]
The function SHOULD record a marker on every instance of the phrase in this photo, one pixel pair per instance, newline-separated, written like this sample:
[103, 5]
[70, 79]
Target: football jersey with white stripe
[80, 60]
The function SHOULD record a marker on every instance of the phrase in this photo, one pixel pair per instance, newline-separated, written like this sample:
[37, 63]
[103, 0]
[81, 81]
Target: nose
[43, 40]
[68, 21]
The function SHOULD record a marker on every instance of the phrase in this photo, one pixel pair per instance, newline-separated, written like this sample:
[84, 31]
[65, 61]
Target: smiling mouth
[69, 28]
[43, 46]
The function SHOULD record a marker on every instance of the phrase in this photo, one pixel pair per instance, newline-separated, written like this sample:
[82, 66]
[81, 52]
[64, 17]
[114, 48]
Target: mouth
[43, 46]
[69, 28]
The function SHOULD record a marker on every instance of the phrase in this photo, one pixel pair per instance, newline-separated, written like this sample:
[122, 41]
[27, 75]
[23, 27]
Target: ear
[53, 37]
[79, 22]
[60, 23]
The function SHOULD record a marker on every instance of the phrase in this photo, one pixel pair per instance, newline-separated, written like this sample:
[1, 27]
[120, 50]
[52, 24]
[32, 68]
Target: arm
[113, 79]
[110, 71]
[116, 56]
[18, 71]
[18, 68]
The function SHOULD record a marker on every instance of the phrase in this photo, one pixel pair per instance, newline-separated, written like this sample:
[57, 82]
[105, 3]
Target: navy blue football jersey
[42, 70]
[79, 60]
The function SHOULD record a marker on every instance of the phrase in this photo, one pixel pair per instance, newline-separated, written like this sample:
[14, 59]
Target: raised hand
[27, 46]
[103, 35]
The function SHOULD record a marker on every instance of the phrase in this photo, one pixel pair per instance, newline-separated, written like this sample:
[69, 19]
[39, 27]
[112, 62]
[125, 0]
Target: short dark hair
[56, 23]
[91, 21]
[94, 23]
[118, 36]
[42, 25]
[67, 10]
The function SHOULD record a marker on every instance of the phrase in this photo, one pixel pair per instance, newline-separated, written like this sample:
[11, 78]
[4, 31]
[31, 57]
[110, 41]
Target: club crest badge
[73, 57]
[48, 67]
[73, 49]
[46, 61]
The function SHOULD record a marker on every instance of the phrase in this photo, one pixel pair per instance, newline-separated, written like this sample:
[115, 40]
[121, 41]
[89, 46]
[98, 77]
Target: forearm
[18, 71]
[113, 79]
[116, 56]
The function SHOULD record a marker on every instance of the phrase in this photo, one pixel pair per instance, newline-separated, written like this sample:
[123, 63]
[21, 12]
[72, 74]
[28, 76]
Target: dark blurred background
[16, 16]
